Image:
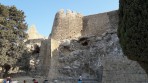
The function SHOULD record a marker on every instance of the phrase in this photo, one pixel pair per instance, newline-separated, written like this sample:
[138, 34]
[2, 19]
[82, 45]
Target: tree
[24, 61]
[133, 28]
[12, 34]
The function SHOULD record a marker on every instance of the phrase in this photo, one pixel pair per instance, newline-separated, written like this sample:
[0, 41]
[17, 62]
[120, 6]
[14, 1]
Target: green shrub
[133, 28]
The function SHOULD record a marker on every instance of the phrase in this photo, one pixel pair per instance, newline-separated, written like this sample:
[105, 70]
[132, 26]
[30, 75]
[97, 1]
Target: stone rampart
[95, 24]
[44, 57]
[66, 25]
[89, 46]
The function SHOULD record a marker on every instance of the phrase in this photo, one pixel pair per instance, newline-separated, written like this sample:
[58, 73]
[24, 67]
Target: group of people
[8, 80]
[35, 81]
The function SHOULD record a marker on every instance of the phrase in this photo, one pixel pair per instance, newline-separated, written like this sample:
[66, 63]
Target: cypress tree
[133, 28]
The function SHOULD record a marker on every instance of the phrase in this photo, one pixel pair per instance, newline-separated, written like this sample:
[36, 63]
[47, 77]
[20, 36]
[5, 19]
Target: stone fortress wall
[44, 57]
[36, 39]
[88, 46]
[66, 25]
[95, 24]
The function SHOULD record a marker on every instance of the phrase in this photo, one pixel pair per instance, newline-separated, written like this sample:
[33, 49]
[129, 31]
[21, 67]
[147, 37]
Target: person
[9, 80]
[4, 81]
[35, 81]
[80, 79]
[24, 81]
[45, 81]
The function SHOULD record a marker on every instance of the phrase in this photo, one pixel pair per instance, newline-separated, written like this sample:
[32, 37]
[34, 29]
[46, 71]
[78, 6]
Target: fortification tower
[67, 25]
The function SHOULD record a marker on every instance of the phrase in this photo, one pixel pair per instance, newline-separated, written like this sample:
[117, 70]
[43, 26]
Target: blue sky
[41, 12]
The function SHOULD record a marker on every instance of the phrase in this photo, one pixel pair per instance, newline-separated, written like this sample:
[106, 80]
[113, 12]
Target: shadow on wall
[141, 61]
[53, 70]
[144, 65]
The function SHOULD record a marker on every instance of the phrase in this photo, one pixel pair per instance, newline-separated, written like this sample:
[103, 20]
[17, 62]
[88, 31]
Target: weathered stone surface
[33, 34]
[66, 25]
[44, 58]
[88, 46]
[95, 24]
[100, 59]
[35, 39]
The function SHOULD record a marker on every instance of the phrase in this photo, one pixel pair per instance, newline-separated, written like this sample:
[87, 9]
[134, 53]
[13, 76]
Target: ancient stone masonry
[33, 37]
[33, 34]
[67, 25]
[95, 24]
[33, 43]
[88, 46]
[44, 57]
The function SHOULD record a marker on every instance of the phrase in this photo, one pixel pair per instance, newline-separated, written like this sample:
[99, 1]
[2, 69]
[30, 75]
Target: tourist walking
[80, 79]
[45, 81]
[35, 81]
[9, 80]
[24, 81]
[4, 81]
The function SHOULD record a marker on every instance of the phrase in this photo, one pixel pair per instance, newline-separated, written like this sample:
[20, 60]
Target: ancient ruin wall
[95, 24]
[66, 25]
[99, 52]
[44, 57]
[54, 60]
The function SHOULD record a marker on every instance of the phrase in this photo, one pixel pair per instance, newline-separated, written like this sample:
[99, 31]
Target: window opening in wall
[84, 41]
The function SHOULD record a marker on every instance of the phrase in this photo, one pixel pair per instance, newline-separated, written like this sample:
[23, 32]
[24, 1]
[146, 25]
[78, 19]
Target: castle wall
[53, 72]
[66, 25]
[95, 24]
[44, 57]
[100, 61]
[96, 55]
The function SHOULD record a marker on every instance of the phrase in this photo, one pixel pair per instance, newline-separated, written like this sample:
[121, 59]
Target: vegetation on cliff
[12, 34]
[133, 28]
